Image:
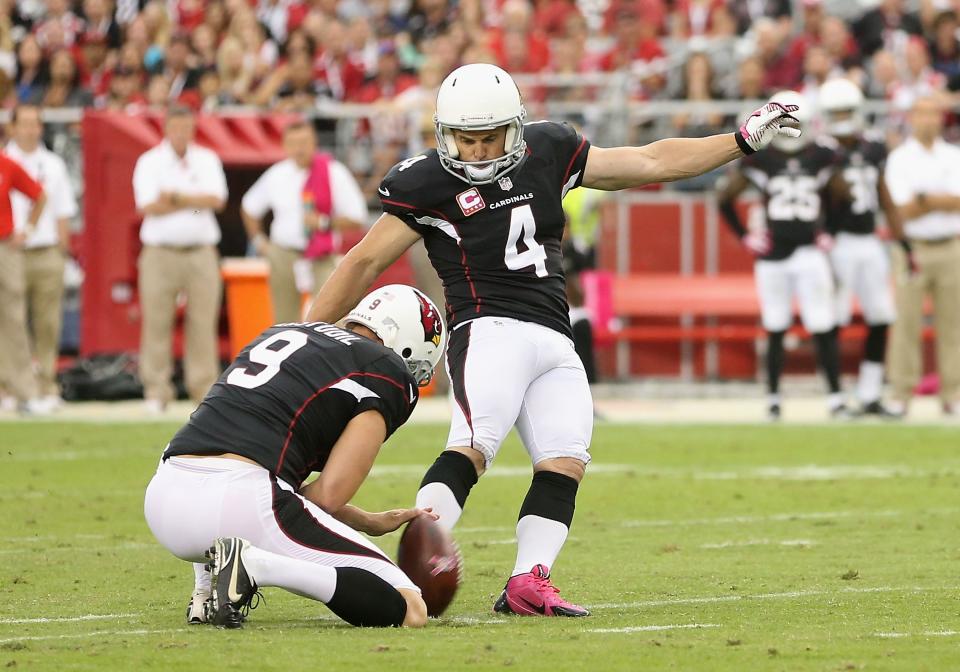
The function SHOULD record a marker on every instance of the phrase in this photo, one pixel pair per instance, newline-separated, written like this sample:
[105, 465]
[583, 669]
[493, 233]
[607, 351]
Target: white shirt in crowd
[280, 189]
[51, 172]
[199, 172]
[913, 169]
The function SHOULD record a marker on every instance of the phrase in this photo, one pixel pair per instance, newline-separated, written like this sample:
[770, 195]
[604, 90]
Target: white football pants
[862, 267]
[805, 274]
[506, 373]
[192, 501]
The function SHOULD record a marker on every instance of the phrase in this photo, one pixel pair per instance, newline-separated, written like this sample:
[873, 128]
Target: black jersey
[792, 186]
[288, 396]
[861, 165]
[496, 247]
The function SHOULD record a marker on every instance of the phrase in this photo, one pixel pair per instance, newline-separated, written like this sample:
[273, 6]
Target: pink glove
[763, 125]
[824, 242]
[758, 242]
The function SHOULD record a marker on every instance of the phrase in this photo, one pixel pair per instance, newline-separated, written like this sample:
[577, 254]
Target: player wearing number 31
[487, 203]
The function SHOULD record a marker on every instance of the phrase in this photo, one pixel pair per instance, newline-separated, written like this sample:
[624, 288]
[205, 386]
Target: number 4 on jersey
[521, 221]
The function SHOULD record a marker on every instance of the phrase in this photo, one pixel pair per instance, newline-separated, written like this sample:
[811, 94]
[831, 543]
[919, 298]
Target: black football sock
[774, 361]
[446, 485]
[875, 347]
[364, 599]
[544, 521]
[583, 341]
[828, 358]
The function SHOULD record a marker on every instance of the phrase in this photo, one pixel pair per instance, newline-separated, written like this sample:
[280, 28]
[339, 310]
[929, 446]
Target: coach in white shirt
[178, 186]
[923, 176]
[280, 189]
[46, 246]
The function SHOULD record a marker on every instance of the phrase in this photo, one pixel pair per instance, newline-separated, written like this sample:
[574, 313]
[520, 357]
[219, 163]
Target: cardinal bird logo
[432, 324]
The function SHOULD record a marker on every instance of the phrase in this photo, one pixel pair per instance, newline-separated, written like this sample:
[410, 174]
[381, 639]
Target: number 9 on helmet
[408, 323]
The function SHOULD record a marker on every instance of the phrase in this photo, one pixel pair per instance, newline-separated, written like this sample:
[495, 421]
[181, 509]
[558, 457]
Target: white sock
[202, 578]
[440, 498]
[304, 578]
[870, 381]
[897, 406]
[773, 400]
[539, 541]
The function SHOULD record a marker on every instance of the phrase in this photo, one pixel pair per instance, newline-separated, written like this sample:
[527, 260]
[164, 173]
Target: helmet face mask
[479, 97]
[407, 322]
[841, 101]
[844, 123]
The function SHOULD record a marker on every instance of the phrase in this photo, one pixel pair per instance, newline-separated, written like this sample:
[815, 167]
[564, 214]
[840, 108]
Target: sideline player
[793, 177]
[860, 260]
[487, 203]
[302, 397]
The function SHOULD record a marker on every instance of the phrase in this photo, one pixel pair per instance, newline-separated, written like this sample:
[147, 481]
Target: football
[431, 558]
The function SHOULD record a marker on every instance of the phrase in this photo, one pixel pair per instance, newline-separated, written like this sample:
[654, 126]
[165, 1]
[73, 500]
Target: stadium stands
[626, 71]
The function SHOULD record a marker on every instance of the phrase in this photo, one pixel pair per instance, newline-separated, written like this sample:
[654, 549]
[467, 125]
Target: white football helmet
[803, 114]
[841, 102]
[479, 97]
[408, 323]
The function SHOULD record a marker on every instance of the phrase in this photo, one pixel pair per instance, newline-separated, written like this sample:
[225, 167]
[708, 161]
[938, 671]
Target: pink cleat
[532, 594]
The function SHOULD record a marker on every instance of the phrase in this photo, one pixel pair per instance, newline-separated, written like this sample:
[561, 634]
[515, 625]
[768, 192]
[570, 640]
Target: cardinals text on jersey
[496, 247]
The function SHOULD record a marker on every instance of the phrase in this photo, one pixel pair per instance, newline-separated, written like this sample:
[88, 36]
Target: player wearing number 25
[487, 203]
[795, 180]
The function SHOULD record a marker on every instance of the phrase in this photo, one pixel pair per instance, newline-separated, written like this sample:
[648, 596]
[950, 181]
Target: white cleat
[38, 407]
[198, 608]
[54, 401]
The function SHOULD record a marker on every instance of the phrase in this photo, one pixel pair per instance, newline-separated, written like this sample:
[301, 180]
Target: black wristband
[742, 142]
[907, 247]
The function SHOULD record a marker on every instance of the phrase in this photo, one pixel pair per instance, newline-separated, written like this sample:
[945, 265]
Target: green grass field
[698, 548]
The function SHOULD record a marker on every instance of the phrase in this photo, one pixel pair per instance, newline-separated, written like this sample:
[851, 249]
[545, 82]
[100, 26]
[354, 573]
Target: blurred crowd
[302, 55]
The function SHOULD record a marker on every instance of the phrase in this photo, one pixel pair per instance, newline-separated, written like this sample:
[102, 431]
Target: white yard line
[655, 628]
[759, 542]
[66, 619]
[776, 517]
[497, 471]
[804, 472]
[928, 633]
[33, 550]
[481, 530]
[793, 594]
[49, 537]
[98, 633]
[738, 520]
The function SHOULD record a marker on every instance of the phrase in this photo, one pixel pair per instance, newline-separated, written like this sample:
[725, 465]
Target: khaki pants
[164, 273]
[286, 298]
[44, 291]
[16, 369]
[938, 276]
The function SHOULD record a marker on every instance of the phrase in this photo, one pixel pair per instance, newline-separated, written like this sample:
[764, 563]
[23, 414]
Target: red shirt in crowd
[536, 53]
[375, 90]
[13, 176]
[646, 50]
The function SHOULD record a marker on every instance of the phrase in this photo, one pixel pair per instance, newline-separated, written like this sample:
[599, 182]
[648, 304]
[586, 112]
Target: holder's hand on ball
[388, 521]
